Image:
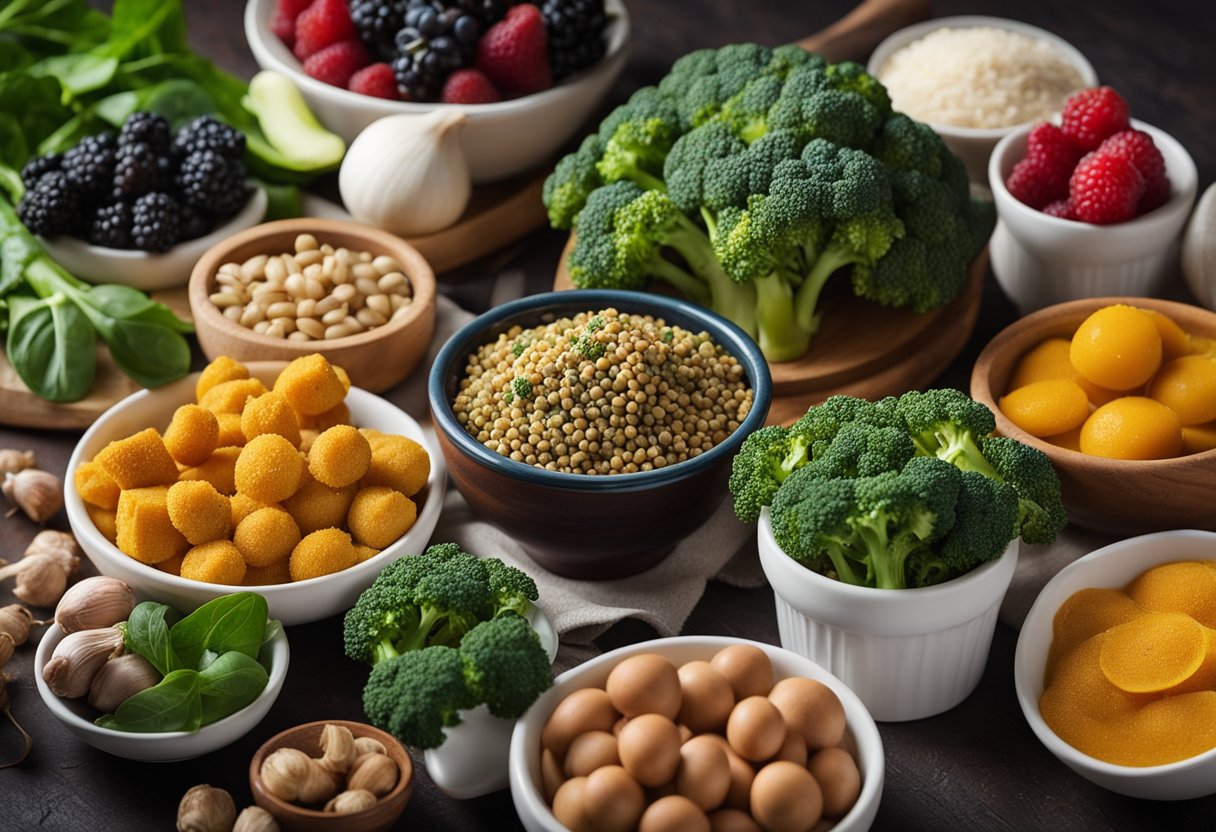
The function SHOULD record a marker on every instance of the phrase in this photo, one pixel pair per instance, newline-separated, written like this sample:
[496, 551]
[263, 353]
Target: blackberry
[377, 21]
[36, 167]
[576, 34]
[438, 38]
[193, 224]
[211, 184]
[487, 12]
[205, 133]
[155, 222]
[52, 206]
[89, 165]
[149, 129]
[137, 171]
[111, 226]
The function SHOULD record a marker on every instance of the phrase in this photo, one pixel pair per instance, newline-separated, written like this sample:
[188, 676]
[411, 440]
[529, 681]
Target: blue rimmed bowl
[578, 525]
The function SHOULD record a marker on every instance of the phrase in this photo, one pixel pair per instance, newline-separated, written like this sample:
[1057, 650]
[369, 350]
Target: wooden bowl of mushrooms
[332, 775]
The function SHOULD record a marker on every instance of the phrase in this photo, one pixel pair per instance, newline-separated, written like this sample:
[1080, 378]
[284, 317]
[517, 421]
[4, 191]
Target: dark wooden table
[978, 767]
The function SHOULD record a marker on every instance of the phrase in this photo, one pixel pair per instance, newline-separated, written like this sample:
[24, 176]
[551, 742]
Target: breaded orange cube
[266, 536]
[139, 461]
[270, 413]
[242, 506]
[96, 487]
[172, 566]
[219, 470]
[143, 528]
[339, 414]
[192, 435]
[199, 512]
[269, 468]
[217, 562]
[278, 572]
[310, 384]
[317, 506]
[380, 515]
[231, 434]
[322, 553]
[363, 553]
[399, 463]
[230, 396]
[106, 521]
[340, 456]
[218, 371]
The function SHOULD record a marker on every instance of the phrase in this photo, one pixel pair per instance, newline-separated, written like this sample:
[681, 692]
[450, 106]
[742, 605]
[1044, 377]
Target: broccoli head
[513, 589]
[985, 520]
[810, 520]
[948, 424]
[767, 457]
[861, 450]
[416, 695]
[567, 189]
[505, 665]
[1040, 511]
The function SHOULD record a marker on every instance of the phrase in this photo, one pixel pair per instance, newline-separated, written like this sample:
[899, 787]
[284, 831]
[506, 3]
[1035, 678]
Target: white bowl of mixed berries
[141, 206]
[527, 74]
[1090, 205]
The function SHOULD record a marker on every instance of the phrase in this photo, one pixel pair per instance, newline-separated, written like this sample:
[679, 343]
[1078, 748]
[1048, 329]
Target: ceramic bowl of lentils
[596, 427]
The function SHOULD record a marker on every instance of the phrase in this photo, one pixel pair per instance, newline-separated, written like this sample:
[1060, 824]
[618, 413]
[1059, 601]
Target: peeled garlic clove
[76, 660]
[41, 581]
[16, 621]
[290, 774]
[338, 749]
[12, 461]
[369, 745]
[119, 679]
[95, 602]
[37, 493]
[351, 801]
[7, 645]
[206, 809]
[255, 819]
[377, 774]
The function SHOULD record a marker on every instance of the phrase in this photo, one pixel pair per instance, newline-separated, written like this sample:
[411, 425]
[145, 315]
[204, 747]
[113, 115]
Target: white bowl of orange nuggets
[273, 475]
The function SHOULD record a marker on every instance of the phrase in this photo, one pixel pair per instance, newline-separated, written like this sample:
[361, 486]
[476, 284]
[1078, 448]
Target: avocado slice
[294, 139]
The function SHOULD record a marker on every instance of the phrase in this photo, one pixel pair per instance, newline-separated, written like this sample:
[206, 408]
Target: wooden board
[863, 349]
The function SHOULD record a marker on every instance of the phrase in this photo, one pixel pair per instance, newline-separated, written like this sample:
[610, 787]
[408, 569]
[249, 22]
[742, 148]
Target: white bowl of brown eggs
[697, 733]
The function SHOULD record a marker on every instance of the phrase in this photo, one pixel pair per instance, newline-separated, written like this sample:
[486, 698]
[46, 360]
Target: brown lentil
[610, 393]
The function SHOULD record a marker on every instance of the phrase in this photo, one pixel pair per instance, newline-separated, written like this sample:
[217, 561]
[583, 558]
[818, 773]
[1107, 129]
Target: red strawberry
[1051, 160]
[336, 64]
[322, 24]
[514, 52]
[1061, 208]
[376, 80]
[283, 24]
[1138, 147]
[1105, 189]
[469, 86]
[1092, 115]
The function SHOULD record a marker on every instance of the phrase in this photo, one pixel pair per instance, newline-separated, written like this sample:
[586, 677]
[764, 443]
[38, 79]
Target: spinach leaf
[16, 253]
[230, 683]
[230, 622]
[147, 633]
[175, 704]
[79, 73]
[51, 346]
[273, 628]
[51, 26]
[149, 353]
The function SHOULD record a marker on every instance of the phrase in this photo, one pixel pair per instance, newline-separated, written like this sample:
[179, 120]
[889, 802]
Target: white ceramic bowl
[294, 603]
[973, 144]
[1040, 260]
[169, 746]
[144, 271]
[907, 653]
[1112, 566]
[500, 139]
[861, 736]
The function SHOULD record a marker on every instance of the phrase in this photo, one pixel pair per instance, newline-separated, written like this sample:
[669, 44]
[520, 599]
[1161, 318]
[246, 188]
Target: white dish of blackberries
[141, 206]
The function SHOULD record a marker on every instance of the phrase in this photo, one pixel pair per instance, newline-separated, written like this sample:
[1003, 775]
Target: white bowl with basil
[225, 669]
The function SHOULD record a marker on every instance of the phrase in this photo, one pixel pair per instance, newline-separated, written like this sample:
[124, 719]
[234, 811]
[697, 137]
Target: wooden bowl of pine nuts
[363, 298]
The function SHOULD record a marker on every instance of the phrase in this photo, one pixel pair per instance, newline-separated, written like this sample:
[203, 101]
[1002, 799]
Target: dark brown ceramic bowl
[576, 525]
[307, 738]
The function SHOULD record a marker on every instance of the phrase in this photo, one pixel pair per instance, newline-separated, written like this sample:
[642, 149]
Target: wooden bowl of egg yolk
[1105, 493]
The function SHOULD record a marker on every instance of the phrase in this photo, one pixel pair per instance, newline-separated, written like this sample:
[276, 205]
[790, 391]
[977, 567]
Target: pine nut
[275, 270]
[287, 324]
[345, 292]
[337, 331]
[366, 286]
[306, 308]
[253, 314]
[313, 288]
[306, 242]
[380, 304]
[310, 326]
[290, 263]
[391, 281]
[298, 336]
[254, 267]
[334, 316]
[385, 264]
[261, 327]
[281, 309]
[326, 305]
[294, 284]
[370, 318]
[233, 313]
[309, 258]
[225, 299]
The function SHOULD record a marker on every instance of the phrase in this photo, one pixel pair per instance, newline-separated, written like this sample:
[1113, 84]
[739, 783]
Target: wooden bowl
[376, 359]
[307, 738]
[1111, 495]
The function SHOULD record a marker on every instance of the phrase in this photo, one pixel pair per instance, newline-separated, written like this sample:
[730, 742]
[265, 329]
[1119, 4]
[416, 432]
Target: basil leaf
[230, 683]
[230, 622]
[51, 346]
[272, 631]
[149, 353]
[147, 634]
[173, 705]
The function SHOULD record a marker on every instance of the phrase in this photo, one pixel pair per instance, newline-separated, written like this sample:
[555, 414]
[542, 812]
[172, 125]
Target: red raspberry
[1092, 115]
[1105, 189]
[283, 24]
[1051, 158]
[1138, 147]
[322, 24]
[336, 64]
[469, 86]
[376, 80]
[1060, 208]
[1035, 183]
[514, 52]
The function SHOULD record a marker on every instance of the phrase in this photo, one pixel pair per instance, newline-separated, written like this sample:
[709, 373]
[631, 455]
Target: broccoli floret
[985, 520]
[948, 424]
[766, 458]
[687, 169]
[416, 695]
[636, 151]
[567, 189]
[520, 388]
[505, 665]
[810, 523]
[1040, 511]
[824, 420]
[861, 450]
[701, 82]
[513, 589]
[906, 144]
[849, 76]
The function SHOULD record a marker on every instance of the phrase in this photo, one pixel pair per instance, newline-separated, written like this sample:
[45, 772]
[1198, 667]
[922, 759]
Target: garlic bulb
[407, 174]
[40, 581]
[377, 774]
[349, 802]
[77, 659]
[119, 679]
[95, 602]
[35, 492]
[255, 819]
[206, 809]
[16, 620]
[6, 648]
[290, 774]
[338, 749]
[12, 460]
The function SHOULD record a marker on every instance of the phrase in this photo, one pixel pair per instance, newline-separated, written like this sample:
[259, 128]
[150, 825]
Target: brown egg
[707, 697]
[747, 668]
[673, 814]
[589, 751]
[836, 772]
[704, 773]
[741, 775]
[650, 749]
[792, 750]
[614, 800]
[588, 709]
[551, 776]
[755, 729]
[786, 798]
[645, 684]
[811, 709]
[570, 806]
[732, 820]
